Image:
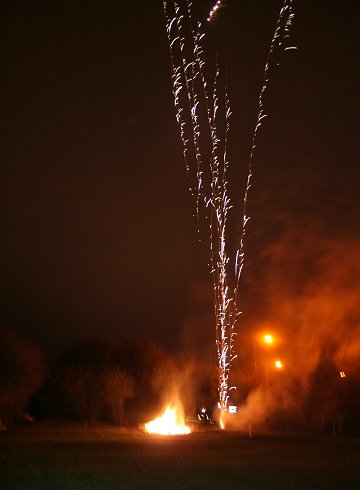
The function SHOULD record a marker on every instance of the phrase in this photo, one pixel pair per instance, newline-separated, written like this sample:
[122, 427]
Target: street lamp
[268, 339]
[278, 364]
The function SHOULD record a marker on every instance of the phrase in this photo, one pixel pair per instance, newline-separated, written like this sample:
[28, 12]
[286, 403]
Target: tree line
[129, 382]
[122, 383]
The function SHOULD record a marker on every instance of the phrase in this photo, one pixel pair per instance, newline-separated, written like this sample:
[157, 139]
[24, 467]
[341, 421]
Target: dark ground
[74, 458]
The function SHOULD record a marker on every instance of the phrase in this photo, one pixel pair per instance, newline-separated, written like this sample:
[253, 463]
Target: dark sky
[97, 235]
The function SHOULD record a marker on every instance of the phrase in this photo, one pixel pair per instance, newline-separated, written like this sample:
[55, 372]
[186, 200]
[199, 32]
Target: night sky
[97, 233]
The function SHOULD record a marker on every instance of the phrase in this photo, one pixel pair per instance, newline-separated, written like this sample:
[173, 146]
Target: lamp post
[268, 340]
[277, 365]
[255, 360]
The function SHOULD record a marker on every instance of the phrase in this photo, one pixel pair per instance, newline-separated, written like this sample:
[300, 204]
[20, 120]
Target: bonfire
[170, 423]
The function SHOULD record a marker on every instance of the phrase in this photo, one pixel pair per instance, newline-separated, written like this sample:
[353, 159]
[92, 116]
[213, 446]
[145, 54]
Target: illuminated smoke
[317, 319]
[203, 114]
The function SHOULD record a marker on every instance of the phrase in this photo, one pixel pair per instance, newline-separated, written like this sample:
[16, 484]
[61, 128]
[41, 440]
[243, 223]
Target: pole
[255, 361]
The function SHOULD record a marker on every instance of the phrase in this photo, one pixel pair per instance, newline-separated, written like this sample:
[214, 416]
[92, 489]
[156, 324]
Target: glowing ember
[168, 424]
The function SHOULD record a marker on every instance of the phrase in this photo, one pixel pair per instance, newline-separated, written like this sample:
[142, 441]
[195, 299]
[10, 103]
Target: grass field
[49, 457]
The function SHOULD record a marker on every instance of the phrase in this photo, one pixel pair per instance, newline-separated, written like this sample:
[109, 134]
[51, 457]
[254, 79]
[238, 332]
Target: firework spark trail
[214, 10]
[223, 300]
[190, 75]
[185, 78]
[281, 35]
[192, 96]
[219, 204]
[177, 83]
[177, 87]
[217, 200]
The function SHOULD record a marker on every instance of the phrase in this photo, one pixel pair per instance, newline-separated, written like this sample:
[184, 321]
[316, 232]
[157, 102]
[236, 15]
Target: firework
[203, 114]
[213, 11]
[279, 42]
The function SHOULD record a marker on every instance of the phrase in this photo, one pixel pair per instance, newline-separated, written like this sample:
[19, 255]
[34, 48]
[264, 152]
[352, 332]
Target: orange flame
[170, 423]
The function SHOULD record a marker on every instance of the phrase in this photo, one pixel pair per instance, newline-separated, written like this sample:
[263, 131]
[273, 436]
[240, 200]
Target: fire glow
[170, 423]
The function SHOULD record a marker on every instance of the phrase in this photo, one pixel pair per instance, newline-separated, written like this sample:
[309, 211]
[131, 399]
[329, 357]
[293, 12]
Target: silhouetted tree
[147, 362]
[84, 386]
[118, 386]
[22, 372]
[97, 378]
[82, 378]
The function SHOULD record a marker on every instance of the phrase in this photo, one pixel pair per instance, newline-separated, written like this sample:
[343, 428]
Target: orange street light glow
[342, 374]
[278, 364]
[268, 339]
